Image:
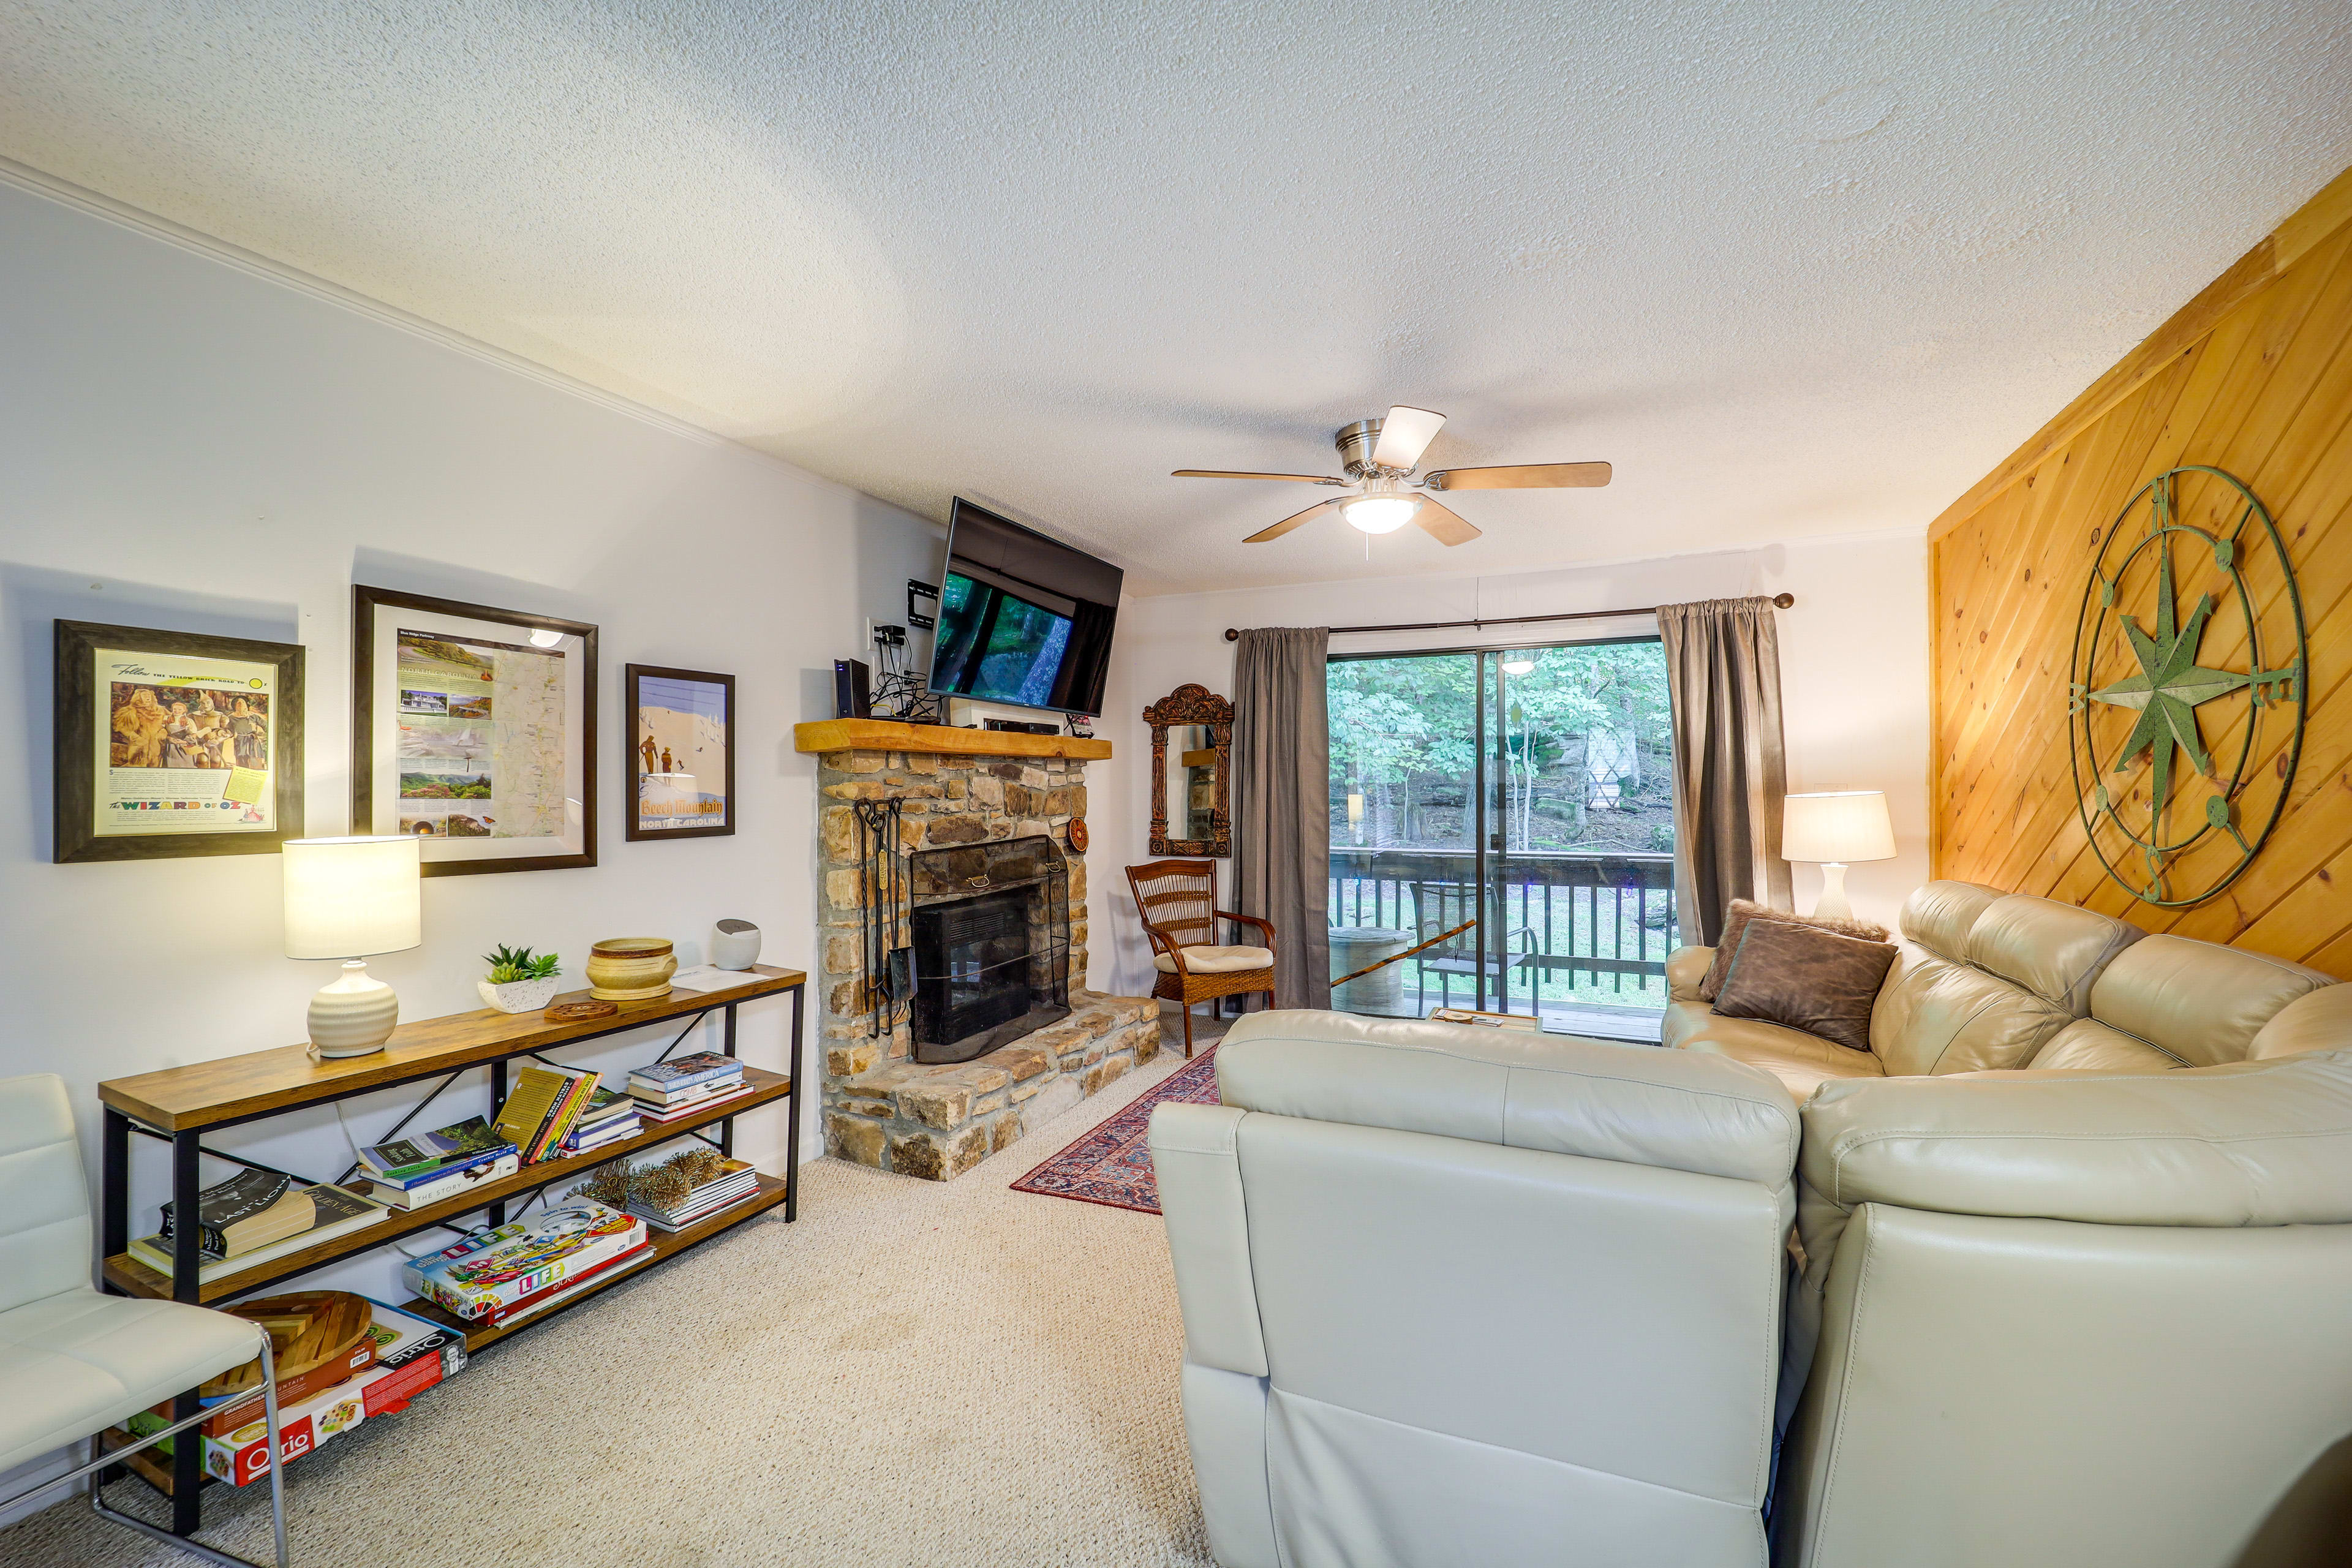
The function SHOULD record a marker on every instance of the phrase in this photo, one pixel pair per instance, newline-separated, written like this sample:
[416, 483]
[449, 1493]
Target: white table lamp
[348, 898]
[1832, 829]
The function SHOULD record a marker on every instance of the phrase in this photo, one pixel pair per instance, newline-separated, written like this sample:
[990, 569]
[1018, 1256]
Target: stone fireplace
[995, 1033]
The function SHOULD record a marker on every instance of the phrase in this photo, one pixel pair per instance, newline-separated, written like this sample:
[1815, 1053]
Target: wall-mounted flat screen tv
[1023, 619]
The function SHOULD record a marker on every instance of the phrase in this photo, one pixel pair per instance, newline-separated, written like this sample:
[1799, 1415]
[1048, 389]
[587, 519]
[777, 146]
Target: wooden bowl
[307, 1329]
[631, 968]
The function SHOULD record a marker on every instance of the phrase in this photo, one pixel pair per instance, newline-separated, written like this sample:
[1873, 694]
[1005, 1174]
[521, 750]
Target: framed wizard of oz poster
[681, 752]
[172, 743]
[475, 729]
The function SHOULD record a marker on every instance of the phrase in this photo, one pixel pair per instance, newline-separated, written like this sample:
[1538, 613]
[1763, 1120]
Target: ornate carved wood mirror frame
[1190, 704]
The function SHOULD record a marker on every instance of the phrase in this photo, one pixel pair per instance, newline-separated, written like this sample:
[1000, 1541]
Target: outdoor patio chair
[1440, 907]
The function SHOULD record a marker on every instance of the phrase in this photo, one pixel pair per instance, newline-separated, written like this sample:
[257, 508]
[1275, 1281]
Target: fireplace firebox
[990, 929]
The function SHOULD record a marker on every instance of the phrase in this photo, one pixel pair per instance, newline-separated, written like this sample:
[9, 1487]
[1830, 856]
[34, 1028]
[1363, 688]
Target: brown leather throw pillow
[1742, 911]
[1806, 978]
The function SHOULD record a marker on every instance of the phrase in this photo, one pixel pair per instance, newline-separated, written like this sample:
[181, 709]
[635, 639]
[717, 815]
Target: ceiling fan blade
[1405, 434]
[1443, 526]
[1224, 474]
[1522, 477]
[1265, 535]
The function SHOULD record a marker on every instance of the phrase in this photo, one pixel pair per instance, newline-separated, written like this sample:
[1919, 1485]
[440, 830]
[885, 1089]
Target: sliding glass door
[1505, 817]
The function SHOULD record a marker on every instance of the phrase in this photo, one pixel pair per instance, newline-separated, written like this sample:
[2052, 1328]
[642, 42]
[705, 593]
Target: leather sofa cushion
[2088, 1046]
[2055, 951]
[1938, 915]
[1934, 1015]
[1696, 1026]
[2201, 1003]
[2264, 1143]
[1806, 978]
[1801, 1062]
[1677, 1109]
[2316, 1020]
[1687, 969]
[1734, 925]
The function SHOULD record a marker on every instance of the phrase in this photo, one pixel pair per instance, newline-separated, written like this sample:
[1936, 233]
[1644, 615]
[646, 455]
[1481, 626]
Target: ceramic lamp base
[1831, 904]
[354, 1015]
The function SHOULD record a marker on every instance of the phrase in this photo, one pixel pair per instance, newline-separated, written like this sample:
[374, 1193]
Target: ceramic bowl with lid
[631, 968]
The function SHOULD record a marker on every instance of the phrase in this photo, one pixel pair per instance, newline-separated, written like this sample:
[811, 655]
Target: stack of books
[257, 1216]
[410, 1172]
[609, 1118]
[734, 1182]
[542, 1108]
[666, 1091]
[511, 1271]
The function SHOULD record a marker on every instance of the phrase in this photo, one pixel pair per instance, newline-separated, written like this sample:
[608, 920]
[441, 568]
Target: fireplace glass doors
[992, 945]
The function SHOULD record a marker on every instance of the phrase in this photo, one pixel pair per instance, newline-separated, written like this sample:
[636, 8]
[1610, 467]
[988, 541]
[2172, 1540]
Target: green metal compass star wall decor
[2146, 690]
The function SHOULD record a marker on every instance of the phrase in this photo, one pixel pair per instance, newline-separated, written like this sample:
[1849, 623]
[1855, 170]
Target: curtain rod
[1779, 601]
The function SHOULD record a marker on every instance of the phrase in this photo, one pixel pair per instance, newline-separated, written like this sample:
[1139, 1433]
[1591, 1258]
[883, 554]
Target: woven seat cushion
[1217, 960]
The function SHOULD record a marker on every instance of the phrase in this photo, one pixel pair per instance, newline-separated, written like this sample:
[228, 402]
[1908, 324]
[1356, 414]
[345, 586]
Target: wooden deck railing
[1548, 916]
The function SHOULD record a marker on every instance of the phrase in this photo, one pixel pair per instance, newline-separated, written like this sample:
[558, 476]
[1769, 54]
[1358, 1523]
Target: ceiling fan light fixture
[1518, 664]
[1380, 514]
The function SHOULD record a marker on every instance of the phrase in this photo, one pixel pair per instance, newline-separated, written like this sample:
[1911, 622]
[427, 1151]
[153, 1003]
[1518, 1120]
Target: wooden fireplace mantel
[939, 739]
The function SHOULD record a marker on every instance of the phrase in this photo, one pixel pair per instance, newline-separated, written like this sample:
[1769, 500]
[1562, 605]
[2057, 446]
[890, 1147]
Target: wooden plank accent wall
[2254, 377]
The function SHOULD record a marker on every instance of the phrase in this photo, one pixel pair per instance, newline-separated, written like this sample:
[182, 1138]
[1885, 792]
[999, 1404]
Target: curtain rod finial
[1232, 635]
[1785, 601]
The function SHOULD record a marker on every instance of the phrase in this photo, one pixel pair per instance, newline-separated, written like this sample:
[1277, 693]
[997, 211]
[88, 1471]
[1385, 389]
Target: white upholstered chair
[74, 1362]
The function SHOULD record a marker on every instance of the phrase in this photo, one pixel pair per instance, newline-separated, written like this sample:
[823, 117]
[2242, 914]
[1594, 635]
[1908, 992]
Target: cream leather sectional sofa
[1988, 982]
[2058, 1273]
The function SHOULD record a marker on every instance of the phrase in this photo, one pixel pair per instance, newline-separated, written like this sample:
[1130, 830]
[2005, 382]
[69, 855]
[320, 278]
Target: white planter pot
[519, 995]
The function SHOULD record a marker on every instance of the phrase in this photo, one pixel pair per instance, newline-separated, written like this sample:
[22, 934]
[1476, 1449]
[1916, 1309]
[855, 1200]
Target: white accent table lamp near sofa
[349, 898]
[1832, 829]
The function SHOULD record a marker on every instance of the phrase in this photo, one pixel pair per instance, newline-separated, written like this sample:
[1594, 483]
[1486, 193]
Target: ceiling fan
[1380, 455]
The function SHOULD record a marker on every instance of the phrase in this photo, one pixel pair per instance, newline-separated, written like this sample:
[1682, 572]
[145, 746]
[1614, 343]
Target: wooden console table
[179, 1105]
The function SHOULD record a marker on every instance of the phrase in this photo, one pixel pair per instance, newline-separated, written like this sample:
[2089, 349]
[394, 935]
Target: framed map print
[681, 752]
[175, 744]
[475, 729]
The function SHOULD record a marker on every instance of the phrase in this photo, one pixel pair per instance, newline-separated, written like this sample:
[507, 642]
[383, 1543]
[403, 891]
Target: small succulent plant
[509, 964]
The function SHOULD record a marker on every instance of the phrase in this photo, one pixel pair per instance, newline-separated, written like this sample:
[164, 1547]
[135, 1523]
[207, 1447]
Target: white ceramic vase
[519, 995]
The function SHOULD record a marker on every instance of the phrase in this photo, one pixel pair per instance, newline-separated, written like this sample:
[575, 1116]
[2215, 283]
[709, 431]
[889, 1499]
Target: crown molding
[34, 182]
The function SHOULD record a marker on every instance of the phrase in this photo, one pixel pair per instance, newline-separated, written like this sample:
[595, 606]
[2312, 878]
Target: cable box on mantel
[939, 739]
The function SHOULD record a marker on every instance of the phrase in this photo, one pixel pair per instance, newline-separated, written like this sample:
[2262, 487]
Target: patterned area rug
[1112, 1164]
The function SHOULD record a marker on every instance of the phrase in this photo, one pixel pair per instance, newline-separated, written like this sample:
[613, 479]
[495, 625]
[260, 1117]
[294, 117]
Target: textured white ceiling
[1795, 269]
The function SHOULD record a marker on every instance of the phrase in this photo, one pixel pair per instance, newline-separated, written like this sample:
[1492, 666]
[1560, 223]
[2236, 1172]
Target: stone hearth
[883, 1108]
[938, 1122]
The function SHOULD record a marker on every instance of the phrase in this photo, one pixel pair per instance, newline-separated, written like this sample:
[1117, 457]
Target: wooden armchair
[1177, 901]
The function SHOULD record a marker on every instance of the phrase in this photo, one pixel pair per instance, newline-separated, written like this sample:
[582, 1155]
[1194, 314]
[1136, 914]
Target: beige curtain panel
[1282, 803]
[1731, 772]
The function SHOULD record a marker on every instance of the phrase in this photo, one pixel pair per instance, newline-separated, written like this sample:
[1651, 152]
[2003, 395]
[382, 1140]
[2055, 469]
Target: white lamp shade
[1842, 825]
[348, 897]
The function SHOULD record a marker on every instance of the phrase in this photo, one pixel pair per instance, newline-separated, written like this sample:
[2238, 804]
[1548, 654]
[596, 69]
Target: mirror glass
[1191, 781]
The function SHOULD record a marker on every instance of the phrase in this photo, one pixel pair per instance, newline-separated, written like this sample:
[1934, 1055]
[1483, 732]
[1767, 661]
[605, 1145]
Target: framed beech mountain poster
[680, 758]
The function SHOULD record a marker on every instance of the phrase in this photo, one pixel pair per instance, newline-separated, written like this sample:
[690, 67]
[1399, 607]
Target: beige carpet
[912, 1374]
